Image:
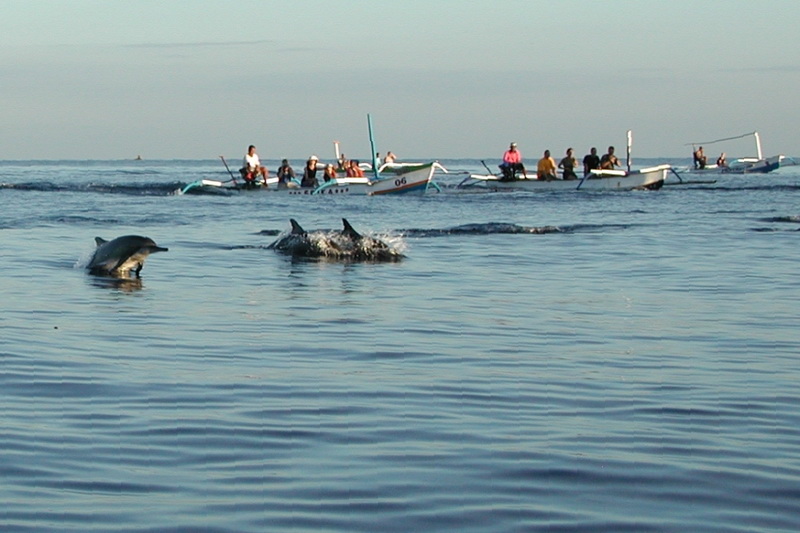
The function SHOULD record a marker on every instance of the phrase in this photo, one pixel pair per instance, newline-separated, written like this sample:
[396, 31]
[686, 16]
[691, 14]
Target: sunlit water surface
[623, 362]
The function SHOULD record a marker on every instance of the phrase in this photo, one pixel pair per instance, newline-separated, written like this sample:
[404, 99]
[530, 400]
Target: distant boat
[745, 165]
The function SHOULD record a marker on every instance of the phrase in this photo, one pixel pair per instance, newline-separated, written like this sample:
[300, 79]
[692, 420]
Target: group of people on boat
[287, 177]
[700, 159]
[547, 169]
[255, 174]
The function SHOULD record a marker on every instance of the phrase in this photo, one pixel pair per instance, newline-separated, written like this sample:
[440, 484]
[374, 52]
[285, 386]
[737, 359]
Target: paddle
[228, 169]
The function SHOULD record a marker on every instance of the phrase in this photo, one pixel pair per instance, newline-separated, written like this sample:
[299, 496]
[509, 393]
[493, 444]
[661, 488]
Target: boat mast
[372, 147]
[758, 146]
[630, 143]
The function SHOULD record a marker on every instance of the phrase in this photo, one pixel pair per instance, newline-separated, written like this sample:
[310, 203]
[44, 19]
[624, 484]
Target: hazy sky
[83, 79]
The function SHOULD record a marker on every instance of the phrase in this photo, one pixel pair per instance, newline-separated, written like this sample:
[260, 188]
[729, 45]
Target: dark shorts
[510, 170]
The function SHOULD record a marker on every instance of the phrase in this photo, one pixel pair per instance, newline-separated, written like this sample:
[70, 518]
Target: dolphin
[296, 242]
[346, 245]
[364, 247]
[121, 256]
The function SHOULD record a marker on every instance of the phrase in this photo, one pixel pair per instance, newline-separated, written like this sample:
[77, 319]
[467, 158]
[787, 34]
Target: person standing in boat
[390, 158]
[285, 174]
[568, 164]
[591, 161]
[310, 174]
[699, 159]
[546, 168]
[609, 161]
[512, 163]
[252, 167]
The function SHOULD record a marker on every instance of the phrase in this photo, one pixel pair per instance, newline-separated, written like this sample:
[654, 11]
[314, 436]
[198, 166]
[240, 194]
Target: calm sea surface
[538, 362]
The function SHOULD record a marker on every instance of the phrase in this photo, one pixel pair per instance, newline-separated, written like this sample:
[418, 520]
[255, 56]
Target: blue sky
[85, 79]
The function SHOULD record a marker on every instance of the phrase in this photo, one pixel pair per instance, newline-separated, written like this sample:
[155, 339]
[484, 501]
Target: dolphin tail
[296, 228]
[349, 231]
[100, 241]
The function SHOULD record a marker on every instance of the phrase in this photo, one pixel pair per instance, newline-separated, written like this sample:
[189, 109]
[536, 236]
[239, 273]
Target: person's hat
[513, 145]
[313, 158]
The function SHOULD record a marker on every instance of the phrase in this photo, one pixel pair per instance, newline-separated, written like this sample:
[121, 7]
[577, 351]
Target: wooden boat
[745, 165]
[401, 180]
[597, 180]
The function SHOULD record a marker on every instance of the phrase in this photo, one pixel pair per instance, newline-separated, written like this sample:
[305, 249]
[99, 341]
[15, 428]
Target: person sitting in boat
[591, 161]
[330, 173]
[699, 159]
[390, 158]
[285, 175]
[568, 164]
[609, 161]
[343, 163]
[251, 168]
[353, 170]
[721, 161]
[546, 168]
[310, 173]
[512, 163]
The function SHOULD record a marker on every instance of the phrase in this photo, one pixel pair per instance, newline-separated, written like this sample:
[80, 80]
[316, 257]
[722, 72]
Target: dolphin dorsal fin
[349, 231]
[296, 228]
[100, 241]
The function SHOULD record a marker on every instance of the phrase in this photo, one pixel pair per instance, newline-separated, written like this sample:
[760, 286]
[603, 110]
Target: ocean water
[596, 362]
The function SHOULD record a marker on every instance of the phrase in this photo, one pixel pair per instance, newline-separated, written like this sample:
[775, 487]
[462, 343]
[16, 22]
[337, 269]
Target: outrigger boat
[744, 165]
[388, 179]
[406, 179]
[401, 180]
[596, 180]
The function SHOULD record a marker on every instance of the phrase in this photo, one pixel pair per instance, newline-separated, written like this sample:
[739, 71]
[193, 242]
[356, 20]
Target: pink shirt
[512, 156]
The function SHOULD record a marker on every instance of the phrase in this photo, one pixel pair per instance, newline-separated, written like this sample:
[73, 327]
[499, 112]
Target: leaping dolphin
[121, 256]
[347, 245]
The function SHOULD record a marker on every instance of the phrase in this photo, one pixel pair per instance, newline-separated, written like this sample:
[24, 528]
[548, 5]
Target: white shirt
[251, 161]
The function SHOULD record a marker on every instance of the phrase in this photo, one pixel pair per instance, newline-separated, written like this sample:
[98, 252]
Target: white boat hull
[741, 166]
[404, 180]
[745, 165]
[598, 180]
[408, 179]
